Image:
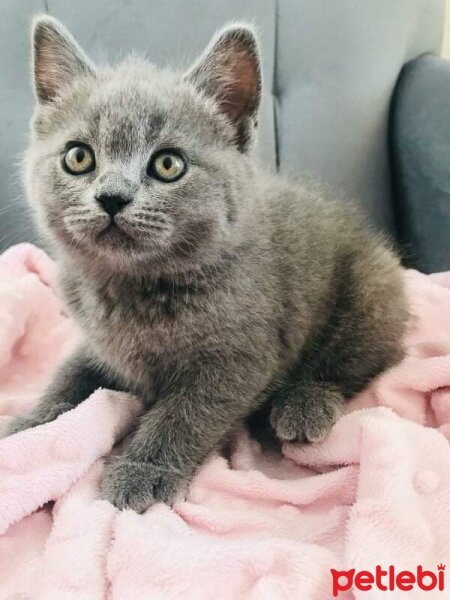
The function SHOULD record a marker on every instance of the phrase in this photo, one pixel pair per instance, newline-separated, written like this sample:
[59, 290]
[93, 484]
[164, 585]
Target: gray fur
[226, 294]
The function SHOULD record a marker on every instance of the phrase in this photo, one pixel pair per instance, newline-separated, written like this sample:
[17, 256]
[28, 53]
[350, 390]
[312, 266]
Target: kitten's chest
[138, 332]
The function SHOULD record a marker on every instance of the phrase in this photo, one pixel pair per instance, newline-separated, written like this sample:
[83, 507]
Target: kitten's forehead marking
[126, 121]
[122, 135]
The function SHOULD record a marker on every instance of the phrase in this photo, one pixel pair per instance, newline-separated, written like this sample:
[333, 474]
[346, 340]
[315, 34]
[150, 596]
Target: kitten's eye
[79, 159]
[167, 165]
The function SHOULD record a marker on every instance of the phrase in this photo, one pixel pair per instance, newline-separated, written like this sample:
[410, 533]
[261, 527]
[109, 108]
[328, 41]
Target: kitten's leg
[188, 422]
[305, 411]
[362, 336]
[74, 381]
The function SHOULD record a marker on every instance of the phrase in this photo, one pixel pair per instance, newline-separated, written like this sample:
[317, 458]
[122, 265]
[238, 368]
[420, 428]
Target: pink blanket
[376, 492]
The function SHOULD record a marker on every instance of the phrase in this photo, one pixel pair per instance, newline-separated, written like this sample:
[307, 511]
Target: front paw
[43, 413]
[139, 485]
[19, 424]
[305, 412]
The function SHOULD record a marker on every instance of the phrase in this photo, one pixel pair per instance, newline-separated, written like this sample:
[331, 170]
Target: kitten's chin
[121, 248]
[98, 236]
[113, 235]
[94, 239]
[111, 246]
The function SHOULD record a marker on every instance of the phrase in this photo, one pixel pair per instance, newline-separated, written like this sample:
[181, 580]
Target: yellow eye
[167, 165]
[79, 159]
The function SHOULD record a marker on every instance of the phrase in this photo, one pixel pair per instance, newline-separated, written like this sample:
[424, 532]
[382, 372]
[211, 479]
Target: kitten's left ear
[229, 71]
[57, 58]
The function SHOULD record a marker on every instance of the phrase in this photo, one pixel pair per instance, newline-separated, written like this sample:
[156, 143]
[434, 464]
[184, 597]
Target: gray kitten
[206, 286]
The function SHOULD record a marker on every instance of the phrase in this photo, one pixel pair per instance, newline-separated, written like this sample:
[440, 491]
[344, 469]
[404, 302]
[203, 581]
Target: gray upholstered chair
[332, 70]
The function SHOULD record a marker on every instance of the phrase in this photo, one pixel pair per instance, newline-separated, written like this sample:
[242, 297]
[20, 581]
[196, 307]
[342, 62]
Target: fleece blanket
[314, 523]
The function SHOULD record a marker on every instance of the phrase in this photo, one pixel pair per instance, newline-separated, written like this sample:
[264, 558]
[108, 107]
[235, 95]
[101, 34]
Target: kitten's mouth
[113, 232]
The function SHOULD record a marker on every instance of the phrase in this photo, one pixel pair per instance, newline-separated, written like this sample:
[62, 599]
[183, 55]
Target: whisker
[73, 220]
[150, 217]
[147, 223]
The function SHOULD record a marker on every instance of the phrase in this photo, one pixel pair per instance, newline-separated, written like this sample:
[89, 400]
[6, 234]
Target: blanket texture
[260, 526]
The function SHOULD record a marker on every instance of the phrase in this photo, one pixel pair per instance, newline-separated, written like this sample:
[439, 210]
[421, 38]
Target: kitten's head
[136, 166]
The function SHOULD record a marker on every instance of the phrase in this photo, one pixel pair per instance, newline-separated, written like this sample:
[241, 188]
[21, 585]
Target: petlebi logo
[389, 579]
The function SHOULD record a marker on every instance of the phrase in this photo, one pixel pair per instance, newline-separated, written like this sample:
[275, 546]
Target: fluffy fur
[225, 295]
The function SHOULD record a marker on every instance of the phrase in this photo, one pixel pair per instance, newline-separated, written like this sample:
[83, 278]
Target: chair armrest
[420, 152]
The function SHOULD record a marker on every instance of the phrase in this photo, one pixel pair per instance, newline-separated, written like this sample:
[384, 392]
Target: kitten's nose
[113, 203]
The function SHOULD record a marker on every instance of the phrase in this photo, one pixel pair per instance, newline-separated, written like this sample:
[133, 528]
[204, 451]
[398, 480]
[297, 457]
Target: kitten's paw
[19, 424]
[39, 416]
[305, 412]
[139, 485]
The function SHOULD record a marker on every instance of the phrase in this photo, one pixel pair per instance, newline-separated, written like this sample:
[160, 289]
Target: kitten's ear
[229, 71]
[57, 58]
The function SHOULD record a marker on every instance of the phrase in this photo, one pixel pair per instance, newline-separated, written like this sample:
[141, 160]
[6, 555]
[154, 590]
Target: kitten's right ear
[57, 58]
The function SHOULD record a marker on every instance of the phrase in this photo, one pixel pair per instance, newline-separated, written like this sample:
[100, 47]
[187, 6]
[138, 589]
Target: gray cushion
[421, 152]
[337, 64]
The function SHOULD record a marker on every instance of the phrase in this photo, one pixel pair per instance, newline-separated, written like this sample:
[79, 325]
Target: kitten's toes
[139, 485]
[306, 413]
